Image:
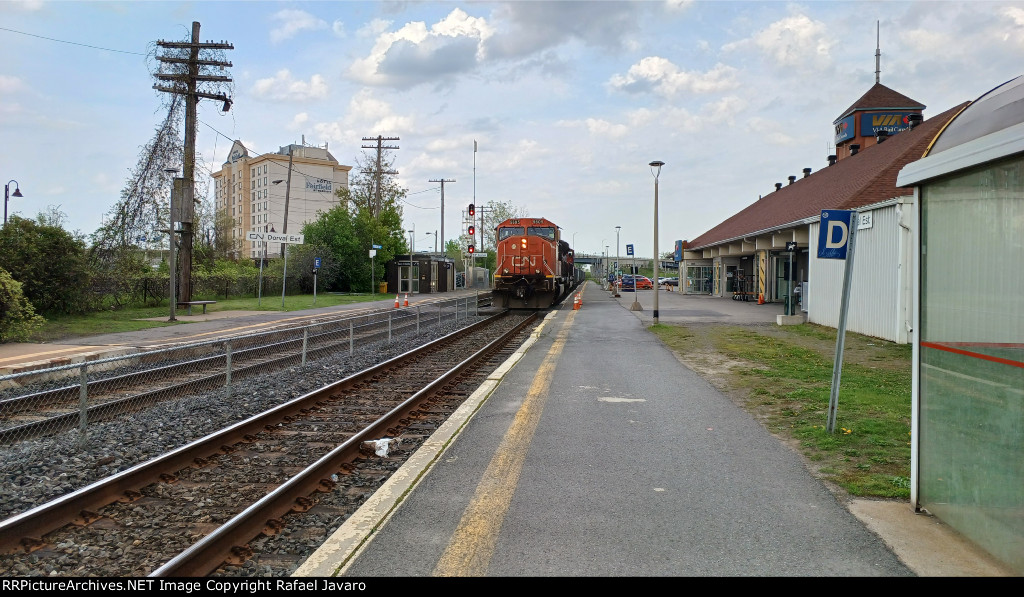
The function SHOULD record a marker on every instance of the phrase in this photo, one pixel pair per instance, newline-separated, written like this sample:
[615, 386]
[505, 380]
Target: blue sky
[568, 101]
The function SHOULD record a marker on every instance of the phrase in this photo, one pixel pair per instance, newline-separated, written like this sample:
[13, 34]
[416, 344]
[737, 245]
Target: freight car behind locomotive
[534, 267]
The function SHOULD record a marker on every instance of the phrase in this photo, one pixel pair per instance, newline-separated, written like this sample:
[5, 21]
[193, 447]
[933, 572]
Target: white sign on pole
[373, 253]
[273, 237]
[837, 239]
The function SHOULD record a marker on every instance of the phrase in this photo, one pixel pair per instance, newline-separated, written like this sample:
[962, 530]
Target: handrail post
[83, 402]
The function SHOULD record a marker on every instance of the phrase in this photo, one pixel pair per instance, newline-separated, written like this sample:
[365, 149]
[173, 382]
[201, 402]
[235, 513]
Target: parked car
[627, 283]
[643, 283]
[668, 281]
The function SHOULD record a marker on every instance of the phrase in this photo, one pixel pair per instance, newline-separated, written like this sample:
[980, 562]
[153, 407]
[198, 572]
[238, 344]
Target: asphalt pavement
[577, 459]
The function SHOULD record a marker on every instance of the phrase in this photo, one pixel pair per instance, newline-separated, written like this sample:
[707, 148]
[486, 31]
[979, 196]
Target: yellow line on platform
[470, 549]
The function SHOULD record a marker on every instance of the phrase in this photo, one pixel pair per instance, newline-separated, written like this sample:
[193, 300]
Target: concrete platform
[574, 460]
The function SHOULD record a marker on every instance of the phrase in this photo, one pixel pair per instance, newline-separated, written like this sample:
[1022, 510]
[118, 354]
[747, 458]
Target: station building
[256, 192]
[767, 251]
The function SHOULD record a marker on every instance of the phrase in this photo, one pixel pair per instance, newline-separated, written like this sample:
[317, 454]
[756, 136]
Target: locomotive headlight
[536, 271]
[524, 243]
[505, 270]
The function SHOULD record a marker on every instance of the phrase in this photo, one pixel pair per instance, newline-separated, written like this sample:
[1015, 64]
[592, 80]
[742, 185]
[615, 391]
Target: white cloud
[11, 85]
[794, 42]
[678, 5]
[366, 115]
[1014, 15]
[282, 87]
[292, 22]
[598, 127]
[338, 28]
[658, 75]
[415, 54]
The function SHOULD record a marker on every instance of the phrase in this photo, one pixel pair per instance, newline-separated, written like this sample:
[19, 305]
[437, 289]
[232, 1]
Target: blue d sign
[834, 233]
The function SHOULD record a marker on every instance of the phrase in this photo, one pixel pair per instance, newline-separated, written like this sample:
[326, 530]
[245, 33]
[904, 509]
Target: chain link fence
[49, 401]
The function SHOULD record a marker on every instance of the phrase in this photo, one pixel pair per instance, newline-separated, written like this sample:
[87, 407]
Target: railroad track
[56, 410]
[229, 499]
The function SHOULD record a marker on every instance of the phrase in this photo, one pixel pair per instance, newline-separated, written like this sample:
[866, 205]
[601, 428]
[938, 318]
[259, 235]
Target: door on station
[407, 274]
[782, 282]
[433, 276]
[730, 278]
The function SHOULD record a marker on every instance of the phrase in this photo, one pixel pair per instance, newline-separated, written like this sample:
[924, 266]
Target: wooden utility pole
[185, 76]
[287, 193]
[377, 171]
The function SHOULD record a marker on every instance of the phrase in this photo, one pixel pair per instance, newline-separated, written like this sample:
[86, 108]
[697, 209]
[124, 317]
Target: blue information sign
[629, 249]
[377, 247]
[834, 233]
[316, 262]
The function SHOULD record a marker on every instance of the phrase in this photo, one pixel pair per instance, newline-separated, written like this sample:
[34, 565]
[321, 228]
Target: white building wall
[880, 287]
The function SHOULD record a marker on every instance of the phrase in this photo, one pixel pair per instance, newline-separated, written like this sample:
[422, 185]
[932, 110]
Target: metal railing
[73, 396]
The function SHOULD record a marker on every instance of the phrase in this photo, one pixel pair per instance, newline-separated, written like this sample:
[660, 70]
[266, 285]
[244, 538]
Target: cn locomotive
[534, 267]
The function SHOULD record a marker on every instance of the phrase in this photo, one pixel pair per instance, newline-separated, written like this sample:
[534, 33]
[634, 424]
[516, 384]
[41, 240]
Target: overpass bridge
[601, 262]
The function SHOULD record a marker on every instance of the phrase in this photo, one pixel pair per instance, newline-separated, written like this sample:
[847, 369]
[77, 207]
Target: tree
[496, 212]
[348, 231]
[18, 318]
[51, 264]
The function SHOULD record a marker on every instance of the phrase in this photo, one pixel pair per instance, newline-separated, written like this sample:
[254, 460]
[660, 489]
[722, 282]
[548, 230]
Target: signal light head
[471, 230]
[472, 209]
[471, 248]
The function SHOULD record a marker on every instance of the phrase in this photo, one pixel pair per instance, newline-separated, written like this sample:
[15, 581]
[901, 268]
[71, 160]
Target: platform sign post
[837, 240]
[316, 268]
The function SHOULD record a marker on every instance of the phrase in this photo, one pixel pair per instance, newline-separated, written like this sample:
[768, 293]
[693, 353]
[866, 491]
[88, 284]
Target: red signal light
[471, 248]
[471, 230]
[472, 209]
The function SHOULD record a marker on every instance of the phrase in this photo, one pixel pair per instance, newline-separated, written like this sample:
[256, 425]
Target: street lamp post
[176, 191]
[617, 259]
[656, 170]
[7, 195]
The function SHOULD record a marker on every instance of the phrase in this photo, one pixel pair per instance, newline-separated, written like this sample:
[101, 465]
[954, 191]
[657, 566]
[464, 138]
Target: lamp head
[656, 167]
[17, 192]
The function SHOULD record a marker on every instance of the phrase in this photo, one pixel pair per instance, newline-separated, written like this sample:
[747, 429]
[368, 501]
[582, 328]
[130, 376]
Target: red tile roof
[880, 97]
[858, 180]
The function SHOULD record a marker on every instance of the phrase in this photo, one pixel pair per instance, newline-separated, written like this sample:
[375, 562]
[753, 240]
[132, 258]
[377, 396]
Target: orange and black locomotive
[535, 266]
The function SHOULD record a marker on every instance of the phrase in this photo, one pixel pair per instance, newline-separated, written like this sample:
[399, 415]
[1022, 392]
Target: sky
[567, 102]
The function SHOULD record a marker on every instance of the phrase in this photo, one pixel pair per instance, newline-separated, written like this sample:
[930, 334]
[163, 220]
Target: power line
[71, 42]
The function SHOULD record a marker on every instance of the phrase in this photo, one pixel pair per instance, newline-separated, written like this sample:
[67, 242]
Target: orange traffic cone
[396, 301]
[406, 300]
[760, 299]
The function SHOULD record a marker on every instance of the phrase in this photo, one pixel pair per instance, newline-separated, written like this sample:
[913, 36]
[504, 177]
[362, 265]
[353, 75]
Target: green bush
[50, 263]
[18, 317]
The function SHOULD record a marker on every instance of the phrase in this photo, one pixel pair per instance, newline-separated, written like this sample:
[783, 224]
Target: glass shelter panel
[971, 369]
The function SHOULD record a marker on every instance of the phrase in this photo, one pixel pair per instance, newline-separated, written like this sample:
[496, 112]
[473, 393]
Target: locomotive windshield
[542, 231]
[508, 231]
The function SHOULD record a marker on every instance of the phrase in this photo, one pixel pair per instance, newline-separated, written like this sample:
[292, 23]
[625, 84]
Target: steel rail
[107, 410]
[24, 531]
[227, 542]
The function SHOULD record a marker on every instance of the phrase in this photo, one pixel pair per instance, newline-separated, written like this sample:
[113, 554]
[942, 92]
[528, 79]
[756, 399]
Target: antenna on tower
[878, 50]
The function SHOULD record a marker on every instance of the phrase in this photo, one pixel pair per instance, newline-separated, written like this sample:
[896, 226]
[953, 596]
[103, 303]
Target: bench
[190, 303]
